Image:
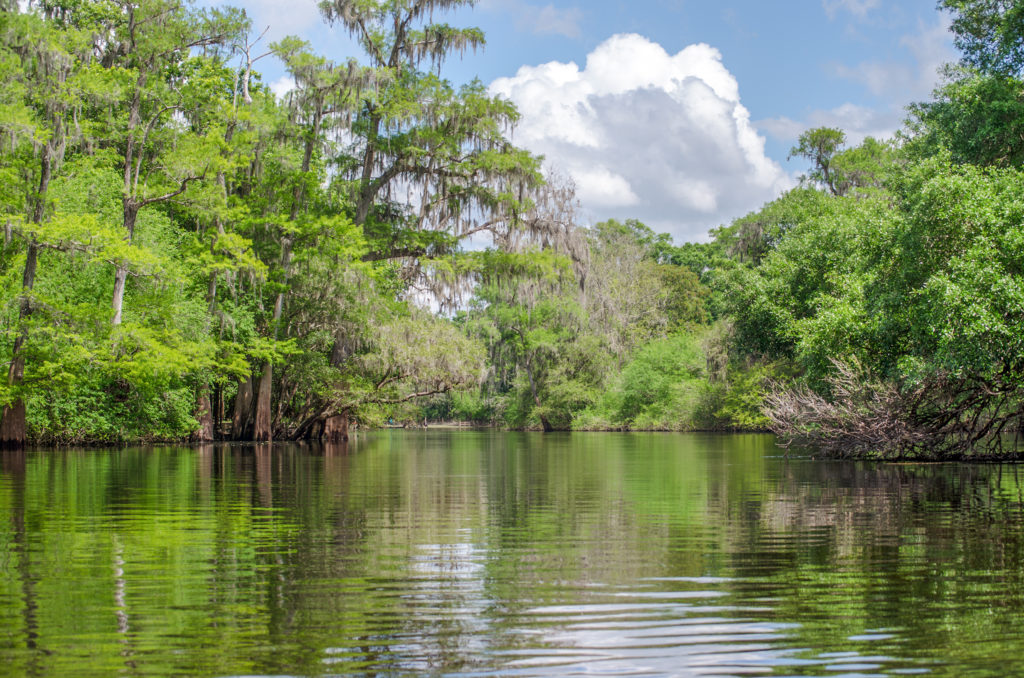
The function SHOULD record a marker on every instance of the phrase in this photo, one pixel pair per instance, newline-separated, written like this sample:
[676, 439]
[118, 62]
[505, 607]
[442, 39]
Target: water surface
[486, 553]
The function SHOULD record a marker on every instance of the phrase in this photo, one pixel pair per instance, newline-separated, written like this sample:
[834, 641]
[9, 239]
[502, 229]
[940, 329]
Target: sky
[679, 113]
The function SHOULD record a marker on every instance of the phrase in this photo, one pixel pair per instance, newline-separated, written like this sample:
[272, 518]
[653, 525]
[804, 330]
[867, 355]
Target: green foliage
[130, 385]
[233, 220]
[659, 386]
[954, 270]
[990, 33]
[178, 235]
[738, 404]
[916, 280]
[977, 119]
[685, 303]
[864, 168]
[751, 237]
[675, 384]
[820, 145]
[460, 406]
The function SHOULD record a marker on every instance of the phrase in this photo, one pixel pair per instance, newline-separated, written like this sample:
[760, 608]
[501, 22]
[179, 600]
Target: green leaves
[388, 32]
[819, 145]
[990, 33]
[977, 119]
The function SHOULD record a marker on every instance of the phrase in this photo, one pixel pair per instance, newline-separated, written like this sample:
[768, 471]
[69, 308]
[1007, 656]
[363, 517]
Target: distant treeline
[875, 310]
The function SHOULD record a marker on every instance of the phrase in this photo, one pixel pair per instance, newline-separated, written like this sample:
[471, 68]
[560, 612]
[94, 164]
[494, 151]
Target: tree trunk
[243, 411]
[13, 429]
[367, 189]
[335, 429]
[548, 428]
[131, 213]
[120, 276]
[322, 425]
[204, 415]
[330, 428]
[261, 415]
[218, 409]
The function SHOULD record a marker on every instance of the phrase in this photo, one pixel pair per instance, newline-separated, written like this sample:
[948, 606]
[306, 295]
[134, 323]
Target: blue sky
[677, 112]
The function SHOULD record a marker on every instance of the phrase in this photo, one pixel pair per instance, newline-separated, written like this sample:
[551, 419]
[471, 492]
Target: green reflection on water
[451, 552]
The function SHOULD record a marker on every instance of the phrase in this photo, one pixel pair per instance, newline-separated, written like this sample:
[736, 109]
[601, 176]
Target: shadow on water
[479, 553]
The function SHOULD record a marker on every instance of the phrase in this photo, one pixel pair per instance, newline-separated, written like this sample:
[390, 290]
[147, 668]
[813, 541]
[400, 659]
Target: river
[490, 553]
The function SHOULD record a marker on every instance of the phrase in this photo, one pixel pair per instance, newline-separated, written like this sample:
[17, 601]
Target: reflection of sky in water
[653, 634]
[507, 554]
[661, 626]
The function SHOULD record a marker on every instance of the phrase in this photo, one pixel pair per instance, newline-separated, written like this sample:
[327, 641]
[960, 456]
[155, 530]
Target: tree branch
[167, 196]
[142, 145]
[412, 396]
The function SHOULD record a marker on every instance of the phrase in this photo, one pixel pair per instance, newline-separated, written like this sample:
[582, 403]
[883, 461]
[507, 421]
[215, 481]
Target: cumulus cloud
[601, 187]
[646, 134]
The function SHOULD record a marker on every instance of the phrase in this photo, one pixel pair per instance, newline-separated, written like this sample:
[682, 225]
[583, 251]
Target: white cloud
[645, 134]
[540, 20]
[897, 84]
[929, 48]
[857, 121]
[282, 86]
[284, 18]
[858, 8]
[551, 20]
[600, 187]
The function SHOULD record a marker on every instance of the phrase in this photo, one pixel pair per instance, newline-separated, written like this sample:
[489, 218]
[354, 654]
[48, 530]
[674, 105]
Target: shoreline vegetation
[189, 257]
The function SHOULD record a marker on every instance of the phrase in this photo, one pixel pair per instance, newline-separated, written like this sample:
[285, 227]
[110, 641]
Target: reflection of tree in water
[14, 468]
[304, 537]
[420, 552]
[872, 501]
[365, 550]
[935, 552]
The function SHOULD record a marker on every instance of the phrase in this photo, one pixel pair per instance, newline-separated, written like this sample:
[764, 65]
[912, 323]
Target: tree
[364, 132]
[978, 119]
[151, 38]
[819, 145]
[414, 130]
[990, 33]
[818, 257]
[216, 103]
[534, 330]
[623, 294]
[319, 105]
[41, 65]
[630, 297]
[902, 308]
[864, 168]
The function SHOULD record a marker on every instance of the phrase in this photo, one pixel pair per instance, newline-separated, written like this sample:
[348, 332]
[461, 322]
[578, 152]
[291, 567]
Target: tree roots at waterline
[938, 418]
